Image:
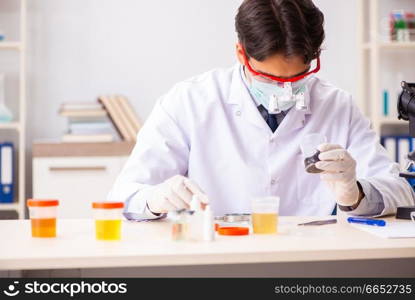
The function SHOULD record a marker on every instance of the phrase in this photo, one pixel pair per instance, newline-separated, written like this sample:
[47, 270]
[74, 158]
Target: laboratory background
[79, 78]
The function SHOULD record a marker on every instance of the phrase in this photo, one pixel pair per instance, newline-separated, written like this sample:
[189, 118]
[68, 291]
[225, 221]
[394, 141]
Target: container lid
[233, 230]
[42, 202]
[107, 205]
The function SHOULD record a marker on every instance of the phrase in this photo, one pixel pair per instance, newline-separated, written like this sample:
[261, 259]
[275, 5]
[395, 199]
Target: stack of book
[110, 119]
[122, 116]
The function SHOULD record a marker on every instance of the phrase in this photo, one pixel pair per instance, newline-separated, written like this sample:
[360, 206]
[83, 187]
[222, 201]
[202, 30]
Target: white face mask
[278, 97]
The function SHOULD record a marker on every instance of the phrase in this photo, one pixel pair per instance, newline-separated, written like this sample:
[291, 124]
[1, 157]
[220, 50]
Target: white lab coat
[209, 129]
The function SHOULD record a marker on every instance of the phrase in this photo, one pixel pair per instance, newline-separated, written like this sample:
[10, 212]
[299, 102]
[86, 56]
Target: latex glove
[173, 194]
[339, 173]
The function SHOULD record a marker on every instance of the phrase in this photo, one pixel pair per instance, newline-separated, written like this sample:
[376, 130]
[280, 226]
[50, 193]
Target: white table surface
[149, 244]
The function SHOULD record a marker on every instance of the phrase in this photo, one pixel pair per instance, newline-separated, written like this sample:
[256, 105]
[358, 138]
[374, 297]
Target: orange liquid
[44, 228]
[265, 223]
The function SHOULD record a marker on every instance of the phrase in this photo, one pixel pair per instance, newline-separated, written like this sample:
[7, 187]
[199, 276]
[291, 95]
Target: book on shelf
[87, 138]
[122, 116]
[97, 121]
[82, 110]
[91, 127]
[90, 119]
[80, 106]
[129, 112]
[398, 147]
[83, 113]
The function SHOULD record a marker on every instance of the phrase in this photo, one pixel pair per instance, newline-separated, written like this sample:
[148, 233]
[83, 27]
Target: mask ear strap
[273, 105]
[300, 101]
[289, 87]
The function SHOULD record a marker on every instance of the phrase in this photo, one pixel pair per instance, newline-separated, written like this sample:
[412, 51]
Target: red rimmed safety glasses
[279, 79]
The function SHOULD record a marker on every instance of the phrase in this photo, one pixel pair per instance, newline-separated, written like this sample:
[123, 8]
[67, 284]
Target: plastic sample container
[265, 215]
[108, 217]
[42, 214]
[309, 148]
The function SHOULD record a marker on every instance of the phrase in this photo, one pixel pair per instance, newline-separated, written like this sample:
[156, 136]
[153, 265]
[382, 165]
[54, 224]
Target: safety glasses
[267, 78]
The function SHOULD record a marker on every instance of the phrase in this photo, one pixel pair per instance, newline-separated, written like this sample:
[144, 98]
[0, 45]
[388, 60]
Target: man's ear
[240, 53]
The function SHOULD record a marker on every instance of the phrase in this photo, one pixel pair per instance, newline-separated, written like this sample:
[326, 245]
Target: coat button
[275, 180]
[238, 113]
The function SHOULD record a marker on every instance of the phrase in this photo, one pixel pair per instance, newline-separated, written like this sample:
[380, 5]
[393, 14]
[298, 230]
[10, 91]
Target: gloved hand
[339, 173]
[173, 194]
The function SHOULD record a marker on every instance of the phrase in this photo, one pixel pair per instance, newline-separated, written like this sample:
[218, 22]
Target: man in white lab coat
[235, 134]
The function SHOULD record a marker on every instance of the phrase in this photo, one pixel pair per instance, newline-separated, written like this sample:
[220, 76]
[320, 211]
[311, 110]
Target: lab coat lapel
[252, 115]
[292, 121]
[239, 95]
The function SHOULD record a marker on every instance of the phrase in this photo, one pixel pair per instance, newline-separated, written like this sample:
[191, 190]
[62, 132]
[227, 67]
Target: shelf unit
[20, 125]
[11, 125]
[371, 52]
[391, 45]
[10, 45]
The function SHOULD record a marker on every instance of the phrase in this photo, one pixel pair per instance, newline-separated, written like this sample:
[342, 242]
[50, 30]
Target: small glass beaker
[309, 148]
[180, 227]
[265, 215]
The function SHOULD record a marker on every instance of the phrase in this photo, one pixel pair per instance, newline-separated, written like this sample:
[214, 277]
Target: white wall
[340, 63]
[83, 48]
[79, 49]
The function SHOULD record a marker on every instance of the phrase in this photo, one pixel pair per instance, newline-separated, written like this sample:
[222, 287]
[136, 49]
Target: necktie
[272, 121]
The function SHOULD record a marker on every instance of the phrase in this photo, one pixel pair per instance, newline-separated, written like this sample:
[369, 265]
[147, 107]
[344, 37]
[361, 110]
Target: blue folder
[6, 173]
[398, 150]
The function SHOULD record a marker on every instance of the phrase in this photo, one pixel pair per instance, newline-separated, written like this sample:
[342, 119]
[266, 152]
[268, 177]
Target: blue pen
[366, 221]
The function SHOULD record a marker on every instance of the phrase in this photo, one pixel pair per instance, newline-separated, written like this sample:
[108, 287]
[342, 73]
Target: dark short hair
[288, 27]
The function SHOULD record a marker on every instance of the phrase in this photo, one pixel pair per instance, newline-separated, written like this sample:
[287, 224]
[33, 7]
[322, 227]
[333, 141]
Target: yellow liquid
[108, 230]
[264, 223]
[44, 228]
